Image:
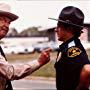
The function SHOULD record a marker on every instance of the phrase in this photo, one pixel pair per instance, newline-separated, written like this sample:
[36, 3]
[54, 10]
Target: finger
[48, 50]
[45, 53]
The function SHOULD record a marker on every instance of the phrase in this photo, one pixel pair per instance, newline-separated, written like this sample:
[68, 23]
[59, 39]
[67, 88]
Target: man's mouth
[4, 29]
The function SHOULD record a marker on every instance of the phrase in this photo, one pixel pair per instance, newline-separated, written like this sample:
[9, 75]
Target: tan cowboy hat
[5, 11]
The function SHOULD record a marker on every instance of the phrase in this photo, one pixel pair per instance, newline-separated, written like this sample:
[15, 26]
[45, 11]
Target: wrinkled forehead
[5, 18]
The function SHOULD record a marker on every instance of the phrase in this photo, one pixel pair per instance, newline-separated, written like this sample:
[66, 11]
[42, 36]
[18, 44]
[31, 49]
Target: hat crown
[5, 7]
[72, 14]
[5, 11]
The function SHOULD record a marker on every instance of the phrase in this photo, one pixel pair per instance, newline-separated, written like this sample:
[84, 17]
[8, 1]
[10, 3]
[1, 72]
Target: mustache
[4, 28]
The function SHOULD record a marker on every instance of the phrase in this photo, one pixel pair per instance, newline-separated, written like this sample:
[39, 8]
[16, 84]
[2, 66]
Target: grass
[46, 70]
[88, 52]
[21, 57]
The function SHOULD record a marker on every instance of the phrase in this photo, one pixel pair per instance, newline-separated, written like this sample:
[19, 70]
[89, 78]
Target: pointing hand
[45, 56]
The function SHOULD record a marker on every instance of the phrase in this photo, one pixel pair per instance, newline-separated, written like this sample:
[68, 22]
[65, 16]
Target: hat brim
[62, 21]
[9, 15]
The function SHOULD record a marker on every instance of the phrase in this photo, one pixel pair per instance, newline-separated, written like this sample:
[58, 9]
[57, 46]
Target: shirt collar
[65, 44]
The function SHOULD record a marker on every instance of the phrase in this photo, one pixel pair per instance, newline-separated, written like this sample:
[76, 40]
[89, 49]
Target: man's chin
[59, 39]
[2, 36]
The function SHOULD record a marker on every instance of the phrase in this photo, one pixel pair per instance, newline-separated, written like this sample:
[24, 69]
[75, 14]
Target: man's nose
[7, 24]
[55, 29]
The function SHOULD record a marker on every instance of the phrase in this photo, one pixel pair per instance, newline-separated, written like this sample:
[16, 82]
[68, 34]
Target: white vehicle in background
[9, 49]
[44, 45]
[39, 47]
[17, 49]
[53, 45]
[29, 49]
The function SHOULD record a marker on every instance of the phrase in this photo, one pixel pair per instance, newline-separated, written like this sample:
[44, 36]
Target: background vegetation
[46, 71]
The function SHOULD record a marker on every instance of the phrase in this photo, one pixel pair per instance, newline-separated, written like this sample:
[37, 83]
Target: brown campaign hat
[71, 15]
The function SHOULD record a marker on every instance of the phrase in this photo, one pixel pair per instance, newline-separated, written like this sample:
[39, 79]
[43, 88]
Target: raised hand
[45, 56]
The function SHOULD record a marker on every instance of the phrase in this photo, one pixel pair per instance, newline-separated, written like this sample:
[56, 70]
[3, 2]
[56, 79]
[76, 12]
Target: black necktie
[8, 83]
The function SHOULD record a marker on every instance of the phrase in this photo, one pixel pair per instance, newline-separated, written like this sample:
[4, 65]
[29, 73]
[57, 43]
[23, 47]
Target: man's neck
[68, 38]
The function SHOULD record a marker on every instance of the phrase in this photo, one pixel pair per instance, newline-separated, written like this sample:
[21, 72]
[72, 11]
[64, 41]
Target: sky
[36, 12]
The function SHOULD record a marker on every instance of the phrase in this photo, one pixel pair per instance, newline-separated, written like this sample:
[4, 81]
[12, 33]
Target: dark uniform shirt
[69, 65]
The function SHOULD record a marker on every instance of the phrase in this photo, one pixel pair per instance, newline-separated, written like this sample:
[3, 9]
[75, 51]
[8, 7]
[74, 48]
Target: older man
[10, 72]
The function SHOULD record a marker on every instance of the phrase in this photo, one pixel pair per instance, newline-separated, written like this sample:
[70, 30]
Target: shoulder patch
[73, 51]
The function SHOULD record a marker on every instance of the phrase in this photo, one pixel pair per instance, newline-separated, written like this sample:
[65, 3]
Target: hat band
[67, 22]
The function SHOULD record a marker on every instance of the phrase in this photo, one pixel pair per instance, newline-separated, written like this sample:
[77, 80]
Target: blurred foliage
[12, 33]
[1, 42]
[29, 32]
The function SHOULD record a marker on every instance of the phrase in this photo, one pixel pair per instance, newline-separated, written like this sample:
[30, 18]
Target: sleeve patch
[73, 52]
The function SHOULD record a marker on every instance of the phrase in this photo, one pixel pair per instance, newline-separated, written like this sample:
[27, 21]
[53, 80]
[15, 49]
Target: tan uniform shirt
[15, 72]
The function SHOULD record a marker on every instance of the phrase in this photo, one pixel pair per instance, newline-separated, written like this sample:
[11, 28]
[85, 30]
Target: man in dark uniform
[72, 64]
